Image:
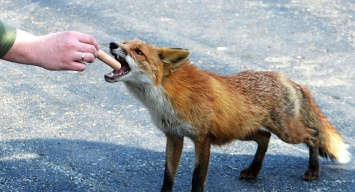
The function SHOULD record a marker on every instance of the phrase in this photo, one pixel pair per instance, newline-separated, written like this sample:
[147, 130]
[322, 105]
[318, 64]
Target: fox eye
[139, 52]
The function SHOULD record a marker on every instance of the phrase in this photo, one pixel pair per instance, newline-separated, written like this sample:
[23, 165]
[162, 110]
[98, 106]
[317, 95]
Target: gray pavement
[66, 131]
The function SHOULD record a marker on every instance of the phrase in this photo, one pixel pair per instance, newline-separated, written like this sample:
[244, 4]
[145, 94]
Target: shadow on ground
[77, 165]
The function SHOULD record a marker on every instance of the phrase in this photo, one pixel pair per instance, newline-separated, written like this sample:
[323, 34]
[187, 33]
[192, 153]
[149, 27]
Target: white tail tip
[343, 155]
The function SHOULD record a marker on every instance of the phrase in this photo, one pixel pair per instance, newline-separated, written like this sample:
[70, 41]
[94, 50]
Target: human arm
[55, 51]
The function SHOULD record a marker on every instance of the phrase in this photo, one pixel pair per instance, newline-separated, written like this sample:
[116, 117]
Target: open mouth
[120, 56]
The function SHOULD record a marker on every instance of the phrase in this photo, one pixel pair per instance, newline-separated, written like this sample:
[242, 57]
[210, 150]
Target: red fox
[216, 109]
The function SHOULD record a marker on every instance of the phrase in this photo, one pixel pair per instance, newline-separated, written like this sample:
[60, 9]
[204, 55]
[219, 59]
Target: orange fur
[216, 109]
[204, 100]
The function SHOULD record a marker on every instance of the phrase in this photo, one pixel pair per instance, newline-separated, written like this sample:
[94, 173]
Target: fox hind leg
[262, 138]
[314, 166]
[295, 132]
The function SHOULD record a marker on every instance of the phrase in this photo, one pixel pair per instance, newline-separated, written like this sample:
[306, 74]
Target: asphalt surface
[66, 131]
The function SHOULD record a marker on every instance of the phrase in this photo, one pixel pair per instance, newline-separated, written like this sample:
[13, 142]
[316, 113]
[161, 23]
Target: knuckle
[93, 49]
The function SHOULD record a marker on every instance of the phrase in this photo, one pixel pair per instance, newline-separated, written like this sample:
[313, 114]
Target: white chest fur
[162, 112]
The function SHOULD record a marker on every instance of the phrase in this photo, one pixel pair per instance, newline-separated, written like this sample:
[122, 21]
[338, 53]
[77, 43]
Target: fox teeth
[121, 53]
[124, 73]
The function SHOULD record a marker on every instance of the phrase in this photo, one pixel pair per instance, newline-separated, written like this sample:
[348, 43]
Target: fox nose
[113, 45]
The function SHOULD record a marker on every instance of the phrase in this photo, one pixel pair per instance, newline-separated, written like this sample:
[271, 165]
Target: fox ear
[173, 58]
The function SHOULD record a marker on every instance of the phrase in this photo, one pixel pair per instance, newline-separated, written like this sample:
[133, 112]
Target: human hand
[56, 51]
[67, 51]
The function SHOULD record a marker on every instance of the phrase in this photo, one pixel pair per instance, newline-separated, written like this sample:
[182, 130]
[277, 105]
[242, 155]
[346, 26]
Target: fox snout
[113, 45]
[120, 55]
[116, 51]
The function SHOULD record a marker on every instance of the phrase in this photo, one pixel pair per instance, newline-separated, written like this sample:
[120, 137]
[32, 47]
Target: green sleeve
[7, 38]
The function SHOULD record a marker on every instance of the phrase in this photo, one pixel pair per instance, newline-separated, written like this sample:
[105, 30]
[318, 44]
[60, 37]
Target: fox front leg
[202, 159]
[173, 152]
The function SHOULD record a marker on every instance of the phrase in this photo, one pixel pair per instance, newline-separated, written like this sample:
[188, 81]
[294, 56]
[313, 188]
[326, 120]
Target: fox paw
[249, 174]
[311, 175]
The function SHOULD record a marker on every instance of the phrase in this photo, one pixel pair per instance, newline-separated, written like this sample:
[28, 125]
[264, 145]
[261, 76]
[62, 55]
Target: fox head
[141, 62]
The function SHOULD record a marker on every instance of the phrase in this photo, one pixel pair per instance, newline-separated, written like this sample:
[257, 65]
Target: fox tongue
[118, 72]
[122, 71]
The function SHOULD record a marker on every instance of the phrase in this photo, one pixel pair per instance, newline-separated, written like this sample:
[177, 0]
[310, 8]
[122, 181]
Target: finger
[88, 39]
[84, 57]
[76, 66]
[88, 57]
[79, 57]
[87, 48]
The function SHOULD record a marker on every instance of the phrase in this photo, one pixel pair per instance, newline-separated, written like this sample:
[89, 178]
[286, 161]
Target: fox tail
[331, 144]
